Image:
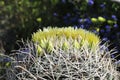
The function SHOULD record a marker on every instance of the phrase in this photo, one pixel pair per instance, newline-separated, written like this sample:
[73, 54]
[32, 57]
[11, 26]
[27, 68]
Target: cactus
[75, 55]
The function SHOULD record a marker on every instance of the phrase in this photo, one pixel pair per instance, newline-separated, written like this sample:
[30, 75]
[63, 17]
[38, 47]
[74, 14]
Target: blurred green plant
[19, 19]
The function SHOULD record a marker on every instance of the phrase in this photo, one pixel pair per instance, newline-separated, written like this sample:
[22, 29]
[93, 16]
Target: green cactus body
[39, 50]
[56, 52]
[79, 37]
[49, 46]
[76, 44]
[65, 46]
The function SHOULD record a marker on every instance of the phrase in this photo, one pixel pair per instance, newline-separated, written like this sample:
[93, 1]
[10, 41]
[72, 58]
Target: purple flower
[94, 31]
[102, 5]
[75, 27]
[90, 2]
[82, 26]
[102, 31]
[63, 1]
[55, 14]
[107, 28]
[114, 17]
[105, 39]
[80, 20]
[115, 25]
[87, 20]
[68, 14]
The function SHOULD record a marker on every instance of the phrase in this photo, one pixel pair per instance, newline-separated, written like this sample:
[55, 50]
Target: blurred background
[20, 18]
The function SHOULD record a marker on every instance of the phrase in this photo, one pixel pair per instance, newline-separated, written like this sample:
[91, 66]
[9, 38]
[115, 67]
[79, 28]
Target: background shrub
[19, 19]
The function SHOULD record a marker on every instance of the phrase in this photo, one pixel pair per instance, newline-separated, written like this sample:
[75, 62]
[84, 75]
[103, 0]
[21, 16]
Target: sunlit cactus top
[64, 37]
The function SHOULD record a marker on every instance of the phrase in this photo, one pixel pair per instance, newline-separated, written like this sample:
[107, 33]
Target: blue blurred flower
[68, 14]
[105, 39]
[80, 20]
[102, 31]
[115, 25]
[82, 26]
[63, 1]
[75, 27]
[55, 14]
[107, 28]
[102, 5]
[94, 31]
[87, 20]
[114, 17]
[90, 2]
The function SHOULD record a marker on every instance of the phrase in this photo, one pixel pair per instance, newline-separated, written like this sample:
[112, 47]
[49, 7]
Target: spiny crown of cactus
[48, 37]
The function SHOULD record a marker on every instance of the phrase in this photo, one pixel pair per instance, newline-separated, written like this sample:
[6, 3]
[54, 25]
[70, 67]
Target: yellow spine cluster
[48, 36]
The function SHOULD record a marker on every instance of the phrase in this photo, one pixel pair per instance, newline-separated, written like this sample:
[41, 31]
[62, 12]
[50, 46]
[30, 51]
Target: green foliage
[25, 15]
[19, 19]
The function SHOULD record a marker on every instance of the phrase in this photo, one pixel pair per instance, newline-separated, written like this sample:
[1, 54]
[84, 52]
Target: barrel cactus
[63, 54]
